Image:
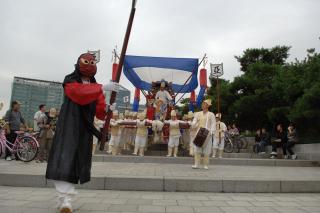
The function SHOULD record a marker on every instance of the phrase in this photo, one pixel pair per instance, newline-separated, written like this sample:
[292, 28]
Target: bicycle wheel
[228, 146]
[243, 142]
[27, 149]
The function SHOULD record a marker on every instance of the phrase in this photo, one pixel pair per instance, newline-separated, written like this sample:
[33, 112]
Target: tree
[276, 55]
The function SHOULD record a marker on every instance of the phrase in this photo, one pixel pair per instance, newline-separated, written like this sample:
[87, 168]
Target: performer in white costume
[115, 134]
[125, 134]
[204, 119]
[141, 136]
[174, 134]
[192, 132]
[98, 124]
[218, 142]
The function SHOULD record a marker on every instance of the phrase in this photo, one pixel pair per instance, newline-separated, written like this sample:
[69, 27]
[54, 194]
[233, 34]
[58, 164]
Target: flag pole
[118, 74]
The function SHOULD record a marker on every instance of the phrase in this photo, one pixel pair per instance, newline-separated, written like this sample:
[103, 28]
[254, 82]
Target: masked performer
[71, 153]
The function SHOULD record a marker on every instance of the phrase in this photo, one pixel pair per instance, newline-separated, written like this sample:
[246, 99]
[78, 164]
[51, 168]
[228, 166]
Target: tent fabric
[141, 71]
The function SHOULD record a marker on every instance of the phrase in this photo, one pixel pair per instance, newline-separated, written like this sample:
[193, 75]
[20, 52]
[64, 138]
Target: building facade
[122, 99]
[33, 92]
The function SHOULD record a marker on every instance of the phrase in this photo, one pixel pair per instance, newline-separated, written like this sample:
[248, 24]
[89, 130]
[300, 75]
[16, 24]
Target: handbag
[201, 135]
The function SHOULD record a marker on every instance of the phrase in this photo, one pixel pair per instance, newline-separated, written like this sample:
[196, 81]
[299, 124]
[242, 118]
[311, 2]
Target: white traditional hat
[126, 113]
[163, 84]
[121, 116]
[190, 114]
[208, 101]
[218, 115]
[173, 113]
[134, 114]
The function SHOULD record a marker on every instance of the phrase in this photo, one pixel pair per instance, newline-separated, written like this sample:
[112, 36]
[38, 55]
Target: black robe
[71, 152]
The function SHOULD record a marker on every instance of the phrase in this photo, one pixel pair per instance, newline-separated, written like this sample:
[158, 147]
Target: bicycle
[233, 143]
[25, 146]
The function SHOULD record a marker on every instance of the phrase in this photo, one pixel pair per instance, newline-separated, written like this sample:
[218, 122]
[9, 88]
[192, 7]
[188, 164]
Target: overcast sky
[42, 39]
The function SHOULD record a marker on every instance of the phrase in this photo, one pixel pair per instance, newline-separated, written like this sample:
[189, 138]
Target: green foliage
[271, 91]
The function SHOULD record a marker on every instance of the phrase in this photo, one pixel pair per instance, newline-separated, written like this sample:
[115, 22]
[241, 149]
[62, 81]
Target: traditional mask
[87, 65]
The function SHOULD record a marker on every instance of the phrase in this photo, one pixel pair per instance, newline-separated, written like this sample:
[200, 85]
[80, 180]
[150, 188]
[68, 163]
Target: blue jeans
[262, 146]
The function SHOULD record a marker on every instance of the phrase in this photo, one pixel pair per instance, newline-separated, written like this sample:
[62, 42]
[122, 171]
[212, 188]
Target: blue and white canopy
[143, 70]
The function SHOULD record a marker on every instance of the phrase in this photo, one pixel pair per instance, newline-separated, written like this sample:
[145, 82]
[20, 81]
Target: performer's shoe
[65, 210]
[195, 167]
[66, 206]
[206, 167]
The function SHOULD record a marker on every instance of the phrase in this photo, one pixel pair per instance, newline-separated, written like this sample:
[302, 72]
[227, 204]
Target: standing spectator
[265, 140]
[47, 133]
[292, 140]
[38, 118]
[14, 118]
[281, 141]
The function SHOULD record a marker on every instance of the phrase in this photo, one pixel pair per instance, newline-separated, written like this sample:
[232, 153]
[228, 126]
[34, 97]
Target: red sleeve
[82, 94]
[101, 107]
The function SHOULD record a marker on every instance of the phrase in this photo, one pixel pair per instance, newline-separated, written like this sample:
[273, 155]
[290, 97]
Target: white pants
[217, 145]
[95, 140]
[140, 141]
[174, 141]
[65, 191]
[114, 140]
[206, 148]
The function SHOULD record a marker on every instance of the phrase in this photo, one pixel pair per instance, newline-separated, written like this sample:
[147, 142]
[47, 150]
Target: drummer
[204, 119]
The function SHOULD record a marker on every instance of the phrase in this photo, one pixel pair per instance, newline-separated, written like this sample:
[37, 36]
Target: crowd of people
[131, 131]
[283, 139]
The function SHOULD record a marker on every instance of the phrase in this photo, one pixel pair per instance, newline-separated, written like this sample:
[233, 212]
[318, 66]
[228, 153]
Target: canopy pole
[118, 74]
[202, 60]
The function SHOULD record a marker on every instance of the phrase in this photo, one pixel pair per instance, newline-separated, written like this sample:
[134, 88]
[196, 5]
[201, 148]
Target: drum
[201, 137]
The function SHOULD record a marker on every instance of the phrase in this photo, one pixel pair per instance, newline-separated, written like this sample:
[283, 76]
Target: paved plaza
[42, 200]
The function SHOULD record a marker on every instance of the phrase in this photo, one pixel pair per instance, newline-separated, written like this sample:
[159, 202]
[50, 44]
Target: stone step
[224, 161]
[174, 177]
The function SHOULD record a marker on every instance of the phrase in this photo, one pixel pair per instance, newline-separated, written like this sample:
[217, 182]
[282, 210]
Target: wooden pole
[218, 105]
[118, 74]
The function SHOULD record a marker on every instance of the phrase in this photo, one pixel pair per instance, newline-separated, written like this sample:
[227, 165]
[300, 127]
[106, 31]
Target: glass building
[32, 92]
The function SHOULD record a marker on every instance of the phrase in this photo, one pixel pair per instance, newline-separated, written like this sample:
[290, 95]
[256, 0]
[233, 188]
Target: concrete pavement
[42, 200]
[174, 177]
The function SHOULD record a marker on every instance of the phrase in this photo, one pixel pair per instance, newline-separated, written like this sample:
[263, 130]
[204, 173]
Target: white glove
[111, 86]
[112, 107]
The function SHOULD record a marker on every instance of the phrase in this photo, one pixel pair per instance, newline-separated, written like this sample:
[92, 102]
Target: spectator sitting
[257, 139]
[292, 140]
[265, 140]
[234, 130]
[281, 141]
